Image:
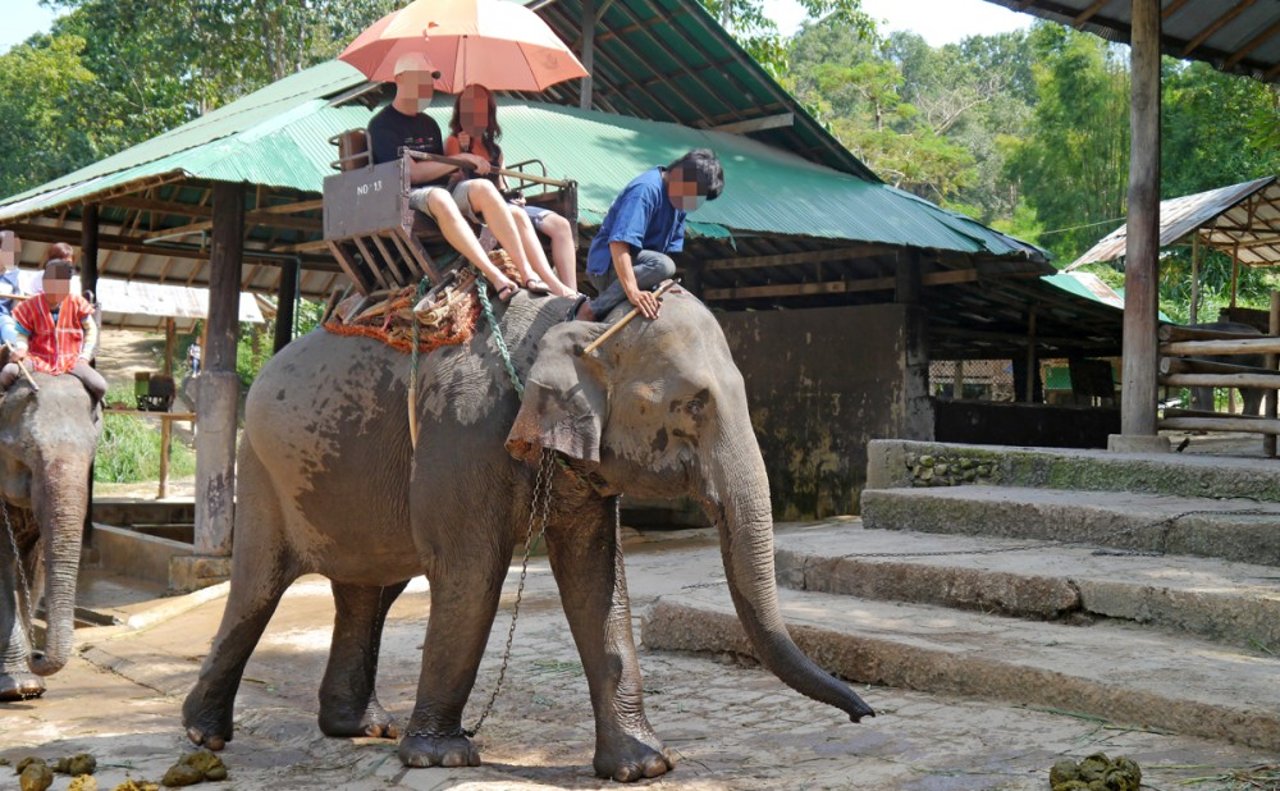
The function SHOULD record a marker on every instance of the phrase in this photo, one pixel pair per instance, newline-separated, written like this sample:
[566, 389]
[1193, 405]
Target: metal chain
[1167, 521]
[25, 592]
[482, 291]
[539, 512]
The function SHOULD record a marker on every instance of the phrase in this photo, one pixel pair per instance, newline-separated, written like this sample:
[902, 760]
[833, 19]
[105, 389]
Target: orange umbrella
[496, 43]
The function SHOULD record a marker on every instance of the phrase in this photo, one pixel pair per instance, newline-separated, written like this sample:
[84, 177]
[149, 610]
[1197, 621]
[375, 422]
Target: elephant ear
[565, 399]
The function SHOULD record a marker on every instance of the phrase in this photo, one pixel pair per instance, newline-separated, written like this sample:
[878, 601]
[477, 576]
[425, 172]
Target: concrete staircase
[1110, 585]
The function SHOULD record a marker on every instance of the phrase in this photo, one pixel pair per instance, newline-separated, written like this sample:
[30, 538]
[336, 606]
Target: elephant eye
[694, 407]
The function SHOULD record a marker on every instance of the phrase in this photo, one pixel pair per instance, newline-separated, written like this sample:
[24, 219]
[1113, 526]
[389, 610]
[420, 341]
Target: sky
[938, 21]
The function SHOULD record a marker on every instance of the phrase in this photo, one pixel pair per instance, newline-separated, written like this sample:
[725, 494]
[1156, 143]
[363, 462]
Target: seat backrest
[353, 149]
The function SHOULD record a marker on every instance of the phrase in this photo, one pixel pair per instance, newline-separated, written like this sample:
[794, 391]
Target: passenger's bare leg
[486, 202]
[563, 253]
[458, 234]
[533, 251]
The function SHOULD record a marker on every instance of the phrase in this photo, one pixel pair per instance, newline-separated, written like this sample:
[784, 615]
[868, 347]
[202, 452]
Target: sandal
[572, 314]
[507, 292]
[536, 286]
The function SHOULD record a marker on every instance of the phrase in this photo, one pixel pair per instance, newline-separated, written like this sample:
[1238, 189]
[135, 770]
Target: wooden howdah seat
[380, 241]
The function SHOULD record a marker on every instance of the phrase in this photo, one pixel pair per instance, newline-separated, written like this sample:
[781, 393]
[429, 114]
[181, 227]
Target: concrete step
[902, 463]
[1233, 603]
[1125, 674]
[1240, 530]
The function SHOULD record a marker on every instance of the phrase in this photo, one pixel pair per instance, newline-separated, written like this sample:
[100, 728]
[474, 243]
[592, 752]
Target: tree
[759, 36]
[1072, 166]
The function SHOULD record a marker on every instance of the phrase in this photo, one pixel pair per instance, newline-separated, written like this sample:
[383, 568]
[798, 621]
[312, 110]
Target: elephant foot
[627, 758]
[375, 722]
[209, 728]
[421, 750]
[20, 686]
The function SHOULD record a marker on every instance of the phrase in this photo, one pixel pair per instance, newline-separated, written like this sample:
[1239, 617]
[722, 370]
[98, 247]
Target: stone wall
[821, 383]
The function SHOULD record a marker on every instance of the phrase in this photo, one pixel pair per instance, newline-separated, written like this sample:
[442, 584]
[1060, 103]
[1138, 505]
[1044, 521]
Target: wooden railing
[1181, 365]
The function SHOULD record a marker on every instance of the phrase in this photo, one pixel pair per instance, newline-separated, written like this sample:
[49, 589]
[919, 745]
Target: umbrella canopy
[495, 43]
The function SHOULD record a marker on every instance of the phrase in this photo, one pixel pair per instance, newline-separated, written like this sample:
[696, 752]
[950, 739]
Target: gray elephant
[47, 443]
[329, 484]
[1251, 398]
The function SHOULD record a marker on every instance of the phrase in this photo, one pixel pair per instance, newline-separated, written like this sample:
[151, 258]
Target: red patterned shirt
[54, 350]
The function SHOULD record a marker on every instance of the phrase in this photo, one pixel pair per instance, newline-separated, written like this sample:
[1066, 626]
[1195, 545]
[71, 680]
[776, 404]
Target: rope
[482, 289]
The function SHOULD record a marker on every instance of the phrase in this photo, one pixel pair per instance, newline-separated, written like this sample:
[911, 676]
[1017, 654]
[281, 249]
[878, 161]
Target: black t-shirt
[390, 130]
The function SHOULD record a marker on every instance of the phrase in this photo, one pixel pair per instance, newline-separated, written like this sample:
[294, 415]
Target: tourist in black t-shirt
[402, 124]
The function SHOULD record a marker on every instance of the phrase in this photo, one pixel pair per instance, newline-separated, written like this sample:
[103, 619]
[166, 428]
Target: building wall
[821, 383]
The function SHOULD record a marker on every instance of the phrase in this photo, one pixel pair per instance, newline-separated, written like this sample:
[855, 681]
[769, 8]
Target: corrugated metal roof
[1242, 36]
[768, 190]
[1241, 220]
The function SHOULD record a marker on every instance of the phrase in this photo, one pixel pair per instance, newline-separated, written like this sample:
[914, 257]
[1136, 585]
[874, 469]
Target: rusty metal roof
[1240, 36]
[1242, 220]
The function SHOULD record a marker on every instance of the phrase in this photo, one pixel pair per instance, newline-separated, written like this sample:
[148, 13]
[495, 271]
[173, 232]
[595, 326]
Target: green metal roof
[278, 137]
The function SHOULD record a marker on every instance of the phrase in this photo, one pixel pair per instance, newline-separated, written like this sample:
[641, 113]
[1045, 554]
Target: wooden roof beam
[1221, 22]
[805, 257]
[1173, 8]
[1087, 14]
[951, 277]
[756, 124]
[1252, 44]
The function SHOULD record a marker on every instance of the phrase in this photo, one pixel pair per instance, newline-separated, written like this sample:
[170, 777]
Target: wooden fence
[1181, 365]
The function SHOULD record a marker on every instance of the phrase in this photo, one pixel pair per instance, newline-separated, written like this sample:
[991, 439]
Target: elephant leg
[17, 682]
[348, 701]
[464, 599]
[587, 563]
[262, 567]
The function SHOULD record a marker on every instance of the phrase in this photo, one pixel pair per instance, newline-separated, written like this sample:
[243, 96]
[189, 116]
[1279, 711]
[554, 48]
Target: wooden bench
[379, 240]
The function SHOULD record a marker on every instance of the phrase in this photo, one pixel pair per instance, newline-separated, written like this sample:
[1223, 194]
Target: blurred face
[57, 281]
[10, 250]
[682, 189]
[474, 110]
[415, 85]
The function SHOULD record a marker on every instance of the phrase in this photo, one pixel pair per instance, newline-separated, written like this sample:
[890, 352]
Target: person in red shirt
[57, 332]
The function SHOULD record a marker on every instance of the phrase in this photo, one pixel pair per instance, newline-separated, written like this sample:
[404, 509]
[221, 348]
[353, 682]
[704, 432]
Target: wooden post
[1138, 399]
[1032, 373]
[166, 434]
[219, 390]
[1194, 312]
[1235, 274]
[907, 280]
[286, 297]
[957, 384]
[588, 52]
[170, 340]
[1269, 441]
[89, 249]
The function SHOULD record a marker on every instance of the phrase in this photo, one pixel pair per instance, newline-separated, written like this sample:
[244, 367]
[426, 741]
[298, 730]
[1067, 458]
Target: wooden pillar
[957, 384]
[906, 280]
[1141, 274]
[219, 390]
[170, 341]
[1269, 440]
[286, 298]
[1194, 312]
[166, 437]
[588, 52]
[89, 250]
[1033, 366]
[1235, 274]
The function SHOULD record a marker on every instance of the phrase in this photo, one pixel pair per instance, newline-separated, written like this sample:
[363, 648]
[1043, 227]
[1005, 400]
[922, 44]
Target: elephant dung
[136, 785]
[78, 764]
[83, 783]
[181, 774]
[36, 776]
[1096, 773]
[195, 768]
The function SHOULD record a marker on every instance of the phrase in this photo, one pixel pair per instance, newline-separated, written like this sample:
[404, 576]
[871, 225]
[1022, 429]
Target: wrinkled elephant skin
[47, 442]
[330, 484]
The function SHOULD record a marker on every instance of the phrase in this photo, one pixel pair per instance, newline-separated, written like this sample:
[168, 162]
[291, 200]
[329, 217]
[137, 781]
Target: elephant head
[47, 443]
[660, 410]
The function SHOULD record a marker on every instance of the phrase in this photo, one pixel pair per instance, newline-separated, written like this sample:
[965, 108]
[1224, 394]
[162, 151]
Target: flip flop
[507, 292]
[572, 314]
[536, 286]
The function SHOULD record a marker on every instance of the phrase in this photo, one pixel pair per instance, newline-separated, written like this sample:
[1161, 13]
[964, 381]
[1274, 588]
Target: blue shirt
[643, 217]
[8, 285]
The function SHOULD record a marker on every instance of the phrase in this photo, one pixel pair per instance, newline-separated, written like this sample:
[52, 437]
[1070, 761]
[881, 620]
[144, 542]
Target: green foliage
[759, 36]
[129, 450]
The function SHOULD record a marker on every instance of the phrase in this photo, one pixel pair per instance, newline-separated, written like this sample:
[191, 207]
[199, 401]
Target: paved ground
[730, 726]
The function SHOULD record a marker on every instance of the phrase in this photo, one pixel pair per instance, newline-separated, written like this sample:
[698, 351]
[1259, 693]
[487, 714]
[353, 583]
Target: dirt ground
[729, 725]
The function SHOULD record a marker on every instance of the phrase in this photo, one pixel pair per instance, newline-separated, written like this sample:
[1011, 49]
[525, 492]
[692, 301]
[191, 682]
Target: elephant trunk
[59, 502]
[737, 499]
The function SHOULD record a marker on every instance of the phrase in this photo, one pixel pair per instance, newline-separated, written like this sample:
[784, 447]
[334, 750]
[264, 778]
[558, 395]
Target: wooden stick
[22, 367]
[1258, 344]
[1254, 425]
[1271, 380]
[609, 333]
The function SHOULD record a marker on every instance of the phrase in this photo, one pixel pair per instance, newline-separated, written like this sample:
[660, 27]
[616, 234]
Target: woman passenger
[474, 129]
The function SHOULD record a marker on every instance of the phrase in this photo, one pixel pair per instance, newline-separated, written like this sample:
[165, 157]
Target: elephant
[331, 483]
[48, 439]
[1251, 398]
